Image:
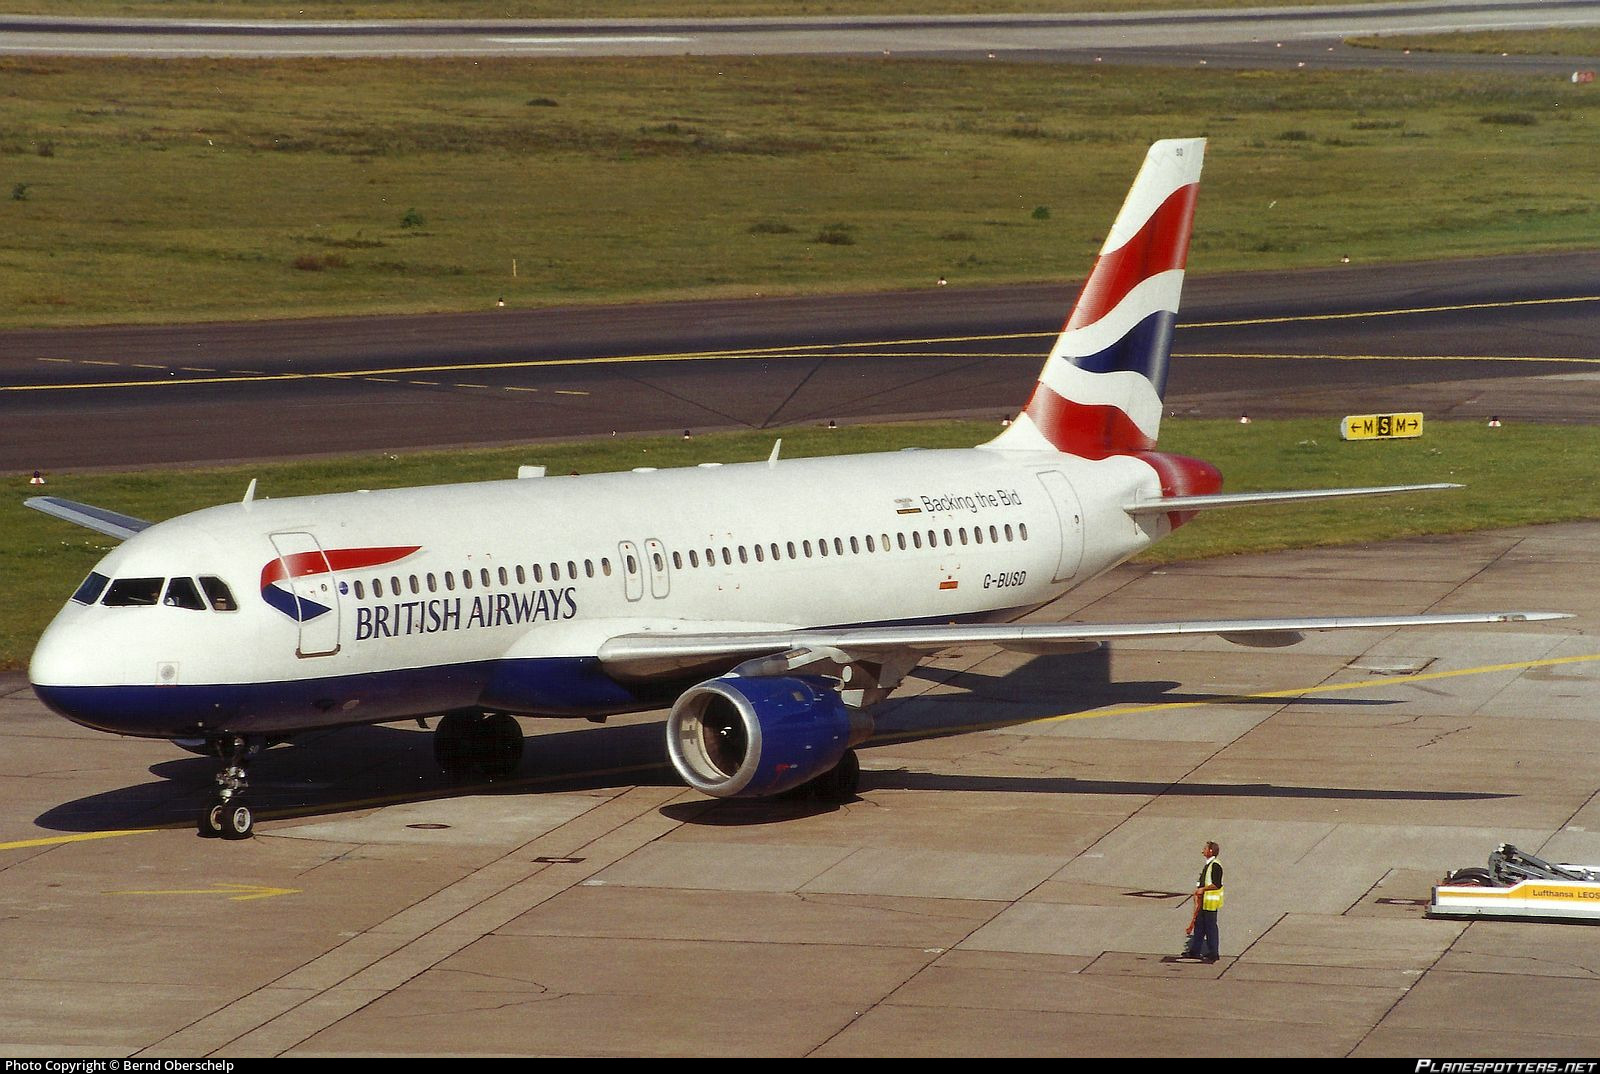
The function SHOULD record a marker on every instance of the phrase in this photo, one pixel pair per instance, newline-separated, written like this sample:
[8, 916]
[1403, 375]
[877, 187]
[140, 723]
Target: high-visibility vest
[1210, 900]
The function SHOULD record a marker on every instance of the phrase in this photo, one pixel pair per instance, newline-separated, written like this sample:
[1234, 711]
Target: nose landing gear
[227, 816]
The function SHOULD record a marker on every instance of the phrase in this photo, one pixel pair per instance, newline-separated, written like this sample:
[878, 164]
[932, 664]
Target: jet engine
[738, 737]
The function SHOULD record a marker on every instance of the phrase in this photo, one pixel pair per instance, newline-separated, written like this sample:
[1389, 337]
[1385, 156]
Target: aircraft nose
[56, 658]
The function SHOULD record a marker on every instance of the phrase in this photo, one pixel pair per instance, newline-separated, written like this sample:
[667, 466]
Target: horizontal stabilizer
[649, 655]
[98, 519]
[1254, 499]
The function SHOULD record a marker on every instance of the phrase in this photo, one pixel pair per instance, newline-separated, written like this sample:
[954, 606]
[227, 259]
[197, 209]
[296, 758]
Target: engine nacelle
[738, 737]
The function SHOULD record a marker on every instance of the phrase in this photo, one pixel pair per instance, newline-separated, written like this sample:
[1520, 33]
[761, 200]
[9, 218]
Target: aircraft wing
[98, 519]
[646, 655]
[1255, 499]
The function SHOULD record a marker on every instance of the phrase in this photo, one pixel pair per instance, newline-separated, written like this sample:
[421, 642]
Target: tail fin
[1100, 391]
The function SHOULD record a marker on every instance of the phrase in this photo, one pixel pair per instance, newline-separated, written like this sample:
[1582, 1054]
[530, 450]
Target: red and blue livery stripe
[309, 564]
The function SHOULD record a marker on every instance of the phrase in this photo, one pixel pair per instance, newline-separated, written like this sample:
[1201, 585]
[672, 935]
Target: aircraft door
[660, 580]
[303, 587]
[1069, 512]
[632, 570]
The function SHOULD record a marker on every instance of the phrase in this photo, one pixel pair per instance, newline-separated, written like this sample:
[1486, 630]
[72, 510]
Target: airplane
[769, 604]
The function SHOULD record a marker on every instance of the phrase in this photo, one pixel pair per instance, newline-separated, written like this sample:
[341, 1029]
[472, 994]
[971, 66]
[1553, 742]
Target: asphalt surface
[964, 35]
[1456, 339]
[1008, 881]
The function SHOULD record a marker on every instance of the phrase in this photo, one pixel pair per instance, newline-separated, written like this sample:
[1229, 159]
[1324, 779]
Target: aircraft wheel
[839, 784]
[211, 820]
[449, 744]
[488, 746]
[237, 822]
[498, 746]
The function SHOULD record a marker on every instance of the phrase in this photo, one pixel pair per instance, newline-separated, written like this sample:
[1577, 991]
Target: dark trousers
[1204, 942]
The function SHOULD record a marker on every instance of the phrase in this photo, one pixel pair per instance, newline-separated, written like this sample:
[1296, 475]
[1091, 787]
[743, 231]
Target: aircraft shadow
[333, 772]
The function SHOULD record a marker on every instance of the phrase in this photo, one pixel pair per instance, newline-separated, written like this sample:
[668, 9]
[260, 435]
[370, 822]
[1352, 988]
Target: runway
[1007, 889]
[948, 36]
[1508, 336]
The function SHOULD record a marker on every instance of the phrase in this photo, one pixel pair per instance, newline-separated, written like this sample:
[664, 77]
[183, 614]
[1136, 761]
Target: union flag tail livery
[768, 604]
[1101, 388]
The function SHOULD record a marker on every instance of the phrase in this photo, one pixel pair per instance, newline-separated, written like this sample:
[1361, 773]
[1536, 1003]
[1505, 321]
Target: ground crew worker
[1202, 931]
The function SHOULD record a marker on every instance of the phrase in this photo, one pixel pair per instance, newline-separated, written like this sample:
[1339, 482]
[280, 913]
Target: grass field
[1582, 41]
[1514, 475]
[169, 190]
[594, 9]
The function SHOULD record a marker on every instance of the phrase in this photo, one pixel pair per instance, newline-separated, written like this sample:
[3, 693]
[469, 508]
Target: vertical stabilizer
[1100, 391]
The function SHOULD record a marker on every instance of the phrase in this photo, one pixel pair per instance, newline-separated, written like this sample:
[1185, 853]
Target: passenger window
[555, 572]
[807, 546]
[838, 546]
[605, 565]
[522, 575]
[744, 557]
[977, 535]
[655, 557]
[92, 587]
[377, 587]
[181, 593]
[761, 556]
[962, 532]
[433, 584]
[677, 561]
[505, 579]
[1008, 531]
[361, 593]
[855, 546]
[466, 579]
[822, 547]
[776, 555]
[1022, 530]
[588, 568]
[572, 569]
[133, 592]
[449, 581]
[901, 539]
[916, 538]
[947, 539]
[791, 551]
[538, 573]
[483, 576]
[727, 557]
[415, 586]
[694, 558]
[395, 584]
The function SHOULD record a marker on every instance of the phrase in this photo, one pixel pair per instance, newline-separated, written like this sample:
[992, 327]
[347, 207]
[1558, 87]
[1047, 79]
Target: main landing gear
[837, 784]
[478, 745]
[227, 816]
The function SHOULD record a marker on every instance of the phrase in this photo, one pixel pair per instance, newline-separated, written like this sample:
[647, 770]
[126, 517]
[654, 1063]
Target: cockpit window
[90, 590]
[218, 592]
[181, 593]
[133, 592]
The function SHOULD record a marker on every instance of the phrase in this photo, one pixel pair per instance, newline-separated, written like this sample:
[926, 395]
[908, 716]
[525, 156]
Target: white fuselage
[499, 594]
